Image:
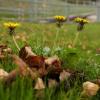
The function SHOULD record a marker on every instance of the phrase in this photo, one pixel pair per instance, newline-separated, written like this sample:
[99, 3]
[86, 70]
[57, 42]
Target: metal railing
[33, 10]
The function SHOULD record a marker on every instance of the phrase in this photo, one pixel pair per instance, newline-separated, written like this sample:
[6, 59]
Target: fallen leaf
[90, 89]
[3, 46]
[7, 50]
[53, 62]
[25, 52]
[38, 63]
[32, 60]
[39, 84]
[64, 75]
[50, 60]
[4, 50]
[11, 77]
[3, 74]
[23, 68]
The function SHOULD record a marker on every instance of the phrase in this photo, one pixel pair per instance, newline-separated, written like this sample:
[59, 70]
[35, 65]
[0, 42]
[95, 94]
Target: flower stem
[75, 39]
[56, 37]
[15, 43]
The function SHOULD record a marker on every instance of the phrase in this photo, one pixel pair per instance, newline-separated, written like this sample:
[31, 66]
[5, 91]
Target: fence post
[98, 12]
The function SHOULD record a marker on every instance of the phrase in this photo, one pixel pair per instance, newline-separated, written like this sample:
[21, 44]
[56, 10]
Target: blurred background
[42, 10]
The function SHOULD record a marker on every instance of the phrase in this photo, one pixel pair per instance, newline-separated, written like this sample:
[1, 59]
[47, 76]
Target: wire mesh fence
[34, 10]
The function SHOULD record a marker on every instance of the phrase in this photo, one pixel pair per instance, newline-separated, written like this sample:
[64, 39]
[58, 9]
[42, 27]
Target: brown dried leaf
[32, 60]
[90, 89]
[11, 76]
[3, 46]
[53, 67]
[3, 74]
[64, 75]
[23, 68]
[38, 63]
[25, 52]
[39, 84]
[50, 60]
[7, 50]
[4, 50]
[53, 62]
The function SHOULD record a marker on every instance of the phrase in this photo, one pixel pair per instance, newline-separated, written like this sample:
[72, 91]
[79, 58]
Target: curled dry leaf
[64, 75]
[3, 46]
[51, 60]
[39, 84]
[25, 52]
[33, 73]
[23, 68]
[3, 74]
[53, 67]
[4, 50]
[43, 65]
[38, 63]
[90, 89]
[8, 50]
[11, 77]
[32, 60]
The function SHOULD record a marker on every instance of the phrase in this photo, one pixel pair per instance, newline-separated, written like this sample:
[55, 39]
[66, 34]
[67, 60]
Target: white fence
[34, 10]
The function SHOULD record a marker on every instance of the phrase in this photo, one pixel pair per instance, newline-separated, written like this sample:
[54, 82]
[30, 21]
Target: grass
[38, 36]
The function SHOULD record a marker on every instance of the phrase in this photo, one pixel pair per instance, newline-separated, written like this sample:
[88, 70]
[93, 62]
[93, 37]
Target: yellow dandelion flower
[85, 21]
[60, 18]
[81, 20]
[11, 25]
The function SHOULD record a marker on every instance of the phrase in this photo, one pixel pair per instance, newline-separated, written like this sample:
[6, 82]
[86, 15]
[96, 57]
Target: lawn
[84, 57]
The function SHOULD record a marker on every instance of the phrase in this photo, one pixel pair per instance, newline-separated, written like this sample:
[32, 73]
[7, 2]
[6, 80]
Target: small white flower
[58, 49]
[46, 50]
